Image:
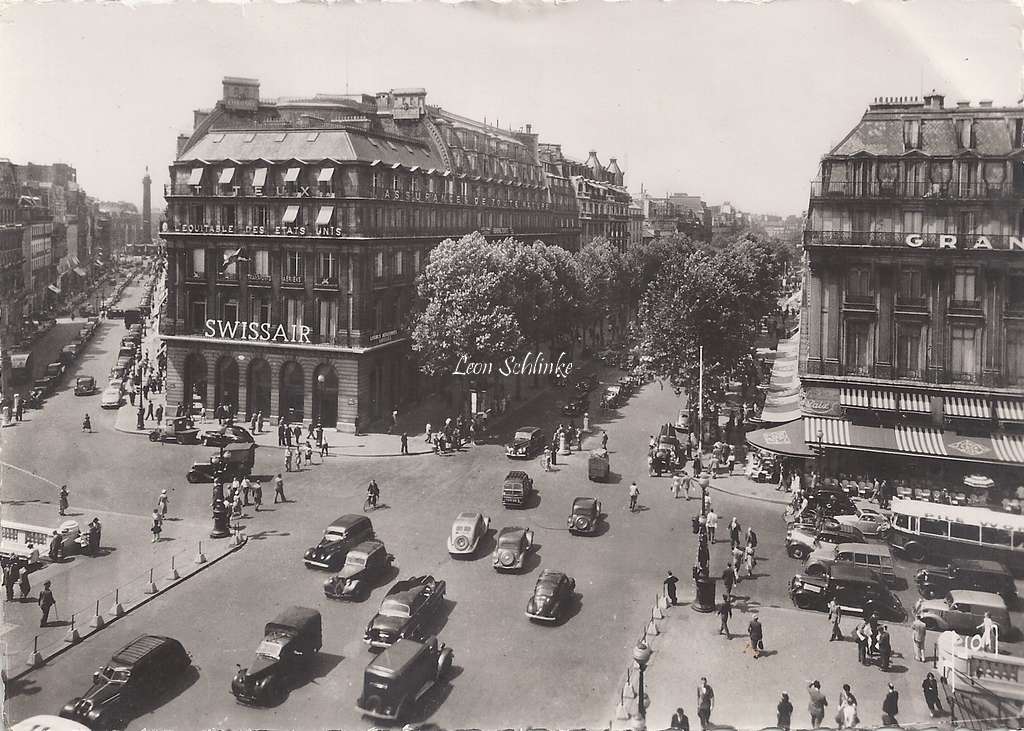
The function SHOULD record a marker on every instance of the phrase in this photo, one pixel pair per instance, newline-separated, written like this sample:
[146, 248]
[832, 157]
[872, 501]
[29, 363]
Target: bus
[936, 532]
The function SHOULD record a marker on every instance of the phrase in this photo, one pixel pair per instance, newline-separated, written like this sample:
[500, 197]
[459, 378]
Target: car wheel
[799, 552]
[153, 436]
[801, 601]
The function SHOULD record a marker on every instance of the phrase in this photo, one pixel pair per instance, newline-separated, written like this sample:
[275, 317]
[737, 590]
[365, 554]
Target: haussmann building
[294, 232]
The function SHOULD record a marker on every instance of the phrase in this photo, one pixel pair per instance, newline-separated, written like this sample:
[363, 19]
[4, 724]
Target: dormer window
[912, 134]
[965, 133]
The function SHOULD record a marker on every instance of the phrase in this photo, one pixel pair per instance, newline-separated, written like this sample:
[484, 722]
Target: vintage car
[990, 576]
[802, 539]
[364, 565]
[85, 386]
[69, 353]
[614, 397]
[856, 589]
[963, 612]
[141, 670]
[111, 398]
[511, 547]
[290, 642]
[467, 530]
[585, 382]
[516, 489]
[872, 556]
[576, 406]
[401, 675]
[527, 442]
[178, 429]
[552, 595]
[48, 723]
[49, 379]
[830, 503]
[233, 460]
[410, 605]
[341, 536]
[869, 521]
[219, 436]
[585, 515]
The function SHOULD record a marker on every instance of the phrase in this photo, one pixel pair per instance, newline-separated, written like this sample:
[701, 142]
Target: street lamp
[641, 654]
[820, 435]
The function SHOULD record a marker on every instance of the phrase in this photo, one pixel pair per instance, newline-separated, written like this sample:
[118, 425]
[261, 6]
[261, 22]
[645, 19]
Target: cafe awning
[967, 406]
[787, 440]
[1007, 410]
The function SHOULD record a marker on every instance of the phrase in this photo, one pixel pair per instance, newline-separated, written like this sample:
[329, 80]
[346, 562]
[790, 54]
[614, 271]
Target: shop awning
[868, 398]
[292, 175]
[290, 214]
[226, 176]
[259, 177]
[326, 175]
[968, 406]
[914, 402]
[1009, 410]
[834, 432]
[196, 177]
[324, 215]
[1009, 447]
[920, 440]
[787, 440]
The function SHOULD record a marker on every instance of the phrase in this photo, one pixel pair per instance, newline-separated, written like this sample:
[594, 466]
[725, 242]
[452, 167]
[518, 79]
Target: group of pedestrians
[297, 451]
[847, 709]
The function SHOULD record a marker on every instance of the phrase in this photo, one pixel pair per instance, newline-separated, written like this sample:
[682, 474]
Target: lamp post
[820, 435]
[641, 654]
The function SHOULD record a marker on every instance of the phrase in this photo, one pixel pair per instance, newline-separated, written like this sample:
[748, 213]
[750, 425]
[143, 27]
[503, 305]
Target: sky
[732, 101]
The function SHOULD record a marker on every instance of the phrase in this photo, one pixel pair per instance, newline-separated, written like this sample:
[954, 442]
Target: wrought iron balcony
[293, 280]
[254, 278]
[905, 302]
[326, 283]
[910, 374]
[970, 306]
[959, 377]
[914, 190]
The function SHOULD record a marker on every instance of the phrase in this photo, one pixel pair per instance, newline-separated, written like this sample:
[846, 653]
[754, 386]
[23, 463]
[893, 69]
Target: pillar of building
[885, 322]
[994, 286]
[831, 322]
[938, 282]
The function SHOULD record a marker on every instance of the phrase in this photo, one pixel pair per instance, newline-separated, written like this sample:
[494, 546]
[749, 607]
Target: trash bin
[705, 601]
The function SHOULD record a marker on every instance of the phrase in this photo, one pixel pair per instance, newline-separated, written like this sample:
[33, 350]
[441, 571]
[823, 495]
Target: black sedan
[552, 596]
[409, 606]
[221, 436]
[575, 406]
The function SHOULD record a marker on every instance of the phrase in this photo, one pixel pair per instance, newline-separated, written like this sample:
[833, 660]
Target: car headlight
[531, 606]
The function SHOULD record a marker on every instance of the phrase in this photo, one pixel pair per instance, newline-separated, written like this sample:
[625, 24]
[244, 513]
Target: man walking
[158, 526]
[835, 615]
[729, 578]
[634, 493]
[756, 634]
[784, 713]
[891, 707]
[816, 704]
[884, 647]
[670, 588]
[280, 434]
[724, 615]
[288, 460]
[712, 523]
[861, 634]
[62, 498]
[56, 546]
[246, 489]
[257, 495]
[405, 443]
[279, 489]
[46, 603]
[705, 703]
[159, 413]
[149, 409]
[920, 634]
[604, 440]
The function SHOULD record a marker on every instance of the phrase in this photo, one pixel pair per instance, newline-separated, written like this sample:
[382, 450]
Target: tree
[603, 280]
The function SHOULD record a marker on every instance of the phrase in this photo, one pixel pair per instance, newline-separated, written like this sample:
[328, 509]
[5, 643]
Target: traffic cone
[652, 629]
[656, 613]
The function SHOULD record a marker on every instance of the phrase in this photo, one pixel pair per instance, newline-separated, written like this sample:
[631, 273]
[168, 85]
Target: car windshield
[510, 540]
[523, 435]
[270, 649]
[116, 675]
[354, 559]
[582, 508]
[394, 608]
[545, 589]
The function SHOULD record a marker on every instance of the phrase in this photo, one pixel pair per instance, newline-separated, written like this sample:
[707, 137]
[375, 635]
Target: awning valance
[787, 440]
[196, 177]
[834, 432]
[967, 406]
[326, 175]
[290, 214]
[1009, 447]
[226, 176]
[915, 402]
[259, 177]
[868, 398]
[1009, 410]
[324, 215]
[920, 440]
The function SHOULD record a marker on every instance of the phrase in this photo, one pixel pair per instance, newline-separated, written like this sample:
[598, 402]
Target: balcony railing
[958, 377]
[857, 370]
[912, 303]
[326, 283]
[266, 191]
[965, 305]
[910, 374]
[898, 239]
[915, 190]
[258, 278]
[293, 280]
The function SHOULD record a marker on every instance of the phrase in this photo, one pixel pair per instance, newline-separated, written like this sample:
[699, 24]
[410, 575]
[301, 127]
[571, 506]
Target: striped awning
[868, 398]
[835, 432]
[918, 403]
[918, 440]
[1009, 410]
[968, 406]
[1009, 447]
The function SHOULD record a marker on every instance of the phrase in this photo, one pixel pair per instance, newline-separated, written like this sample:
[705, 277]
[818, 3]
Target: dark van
[990, 576]
[401, 675]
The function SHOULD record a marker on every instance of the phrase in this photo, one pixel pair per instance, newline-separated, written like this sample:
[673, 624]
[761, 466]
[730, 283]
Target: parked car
[516, 489]
[467, 530]
[802, 539]
[177, 429]
[111, 397]
[48, 723]
[614, 397]
[871, 556]
[140, 670]
[233, 460]
[409, 606]
[49, 379]
[401, 675]
[511, 547]
[364, 565]
[68, 354]
[527, 442]
[990, 576]
[85, 386]
[963, 612]
[830, 502]
[585, 515]
[858, 590]
[575, 406]
[341, 536]
[552, 596]
[585, 382]
[290, 642]
[219, 436]
[869, 521]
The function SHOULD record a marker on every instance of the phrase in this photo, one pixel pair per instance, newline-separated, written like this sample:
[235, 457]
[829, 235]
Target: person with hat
[891, 707]
[756, 633]
[46, 603]
[161, 504]
[257, 494]
[55, 548]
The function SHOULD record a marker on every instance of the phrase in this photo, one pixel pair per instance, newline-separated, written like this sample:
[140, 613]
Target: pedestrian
[55, 548]
[676, 485]
[884, 647]
[319, 434]
[252, 423]
[724, 615]
[355, 426]
[324, 446]
[428, 434]
[257, 495]
[679, 721]
[94, 536]
[158, 526]
[23, 585]
[546, 461]
[19, 409]
[554, 454]
[297, 434]
[752, 540]
[920, 632]
[246, 490]
[33, 555]
[394, 421]
[236, 507]
[149, 409]
[729, 578]
[734, 533]
[288, 460]
[309, 453]
[161, 504]
[405, 443]
[988, 630]
[46, 603]
[835, 616]
[756, 633]
[703, 552]
[604, 440]
[891, 707]
[847, 716]
[279, 489]
[705, 703]
[712, 522]
[311, 431]
[749, 561]
[62, 498]
[670, 588]
[861, 634]
[816, 703]
[931, 694]
[159, 413]
[280, 434]
[634, 493]
[259, 422]
[784, 713]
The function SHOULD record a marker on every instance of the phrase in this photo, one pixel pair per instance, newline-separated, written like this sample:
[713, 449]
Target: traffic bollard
[150, 587]
[652, 629]
[97, 621]
[35, 659]
[117, 610]
[72, 636]
[200, 556]
[656, 613]
[174, 575]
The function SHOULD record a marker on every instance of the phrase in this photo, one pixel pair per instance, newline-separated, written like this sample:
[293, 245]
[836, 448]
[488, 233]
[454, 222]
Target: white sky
[732, 101]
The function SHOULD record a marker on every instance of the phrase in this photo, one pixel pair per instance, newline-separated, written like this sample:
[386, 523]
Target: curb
[64, 647]
[749, 497]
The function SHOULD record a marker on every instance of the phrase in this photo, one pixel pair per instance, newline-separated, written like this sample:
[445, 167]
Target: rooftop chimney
[963, 103]
[934, 101]
[529, 129]
[985, 103]
[182, 141]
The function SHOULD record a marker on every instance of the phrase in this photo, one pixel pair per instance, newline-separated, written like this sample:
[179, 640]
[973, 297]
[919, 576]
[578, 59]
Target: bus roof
[959, 514]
